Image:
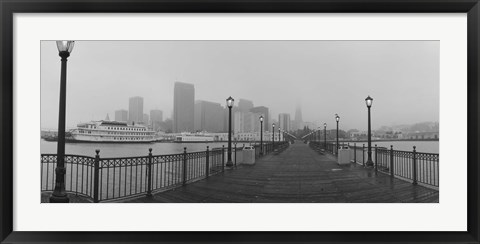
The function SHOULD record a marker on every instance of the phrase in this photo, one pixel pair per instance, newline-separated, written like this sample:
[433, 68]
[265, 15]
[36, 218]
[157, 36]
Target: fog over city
[324, 78]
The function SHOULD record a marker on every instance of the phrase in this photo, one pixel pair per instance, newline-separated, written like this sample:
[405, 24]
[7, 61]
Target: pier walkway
[300, 175]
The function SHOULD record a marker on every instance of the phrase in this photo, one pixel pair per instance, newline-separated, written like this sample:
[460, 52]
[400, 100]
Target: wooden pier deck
[297, 175]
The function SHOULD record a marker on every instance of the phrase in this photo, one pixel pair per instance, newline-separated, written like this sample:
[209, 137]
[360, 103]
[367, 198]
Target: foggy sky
[323, 77]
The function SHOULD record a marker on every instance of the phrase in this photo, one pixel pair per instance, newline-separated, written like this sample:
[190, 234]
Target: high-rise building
[121, 115]
[209, 116]
[146, 119]
[135, 110]
[183, 107]
[156, 119]
[245, 105]
[284, 122]
[298, 123]
[262, 111]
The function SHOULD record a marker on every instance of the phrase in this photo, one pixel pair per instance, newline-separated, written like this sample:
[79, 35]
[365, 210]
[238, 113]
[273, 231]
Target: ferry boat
[111, 131]
[191, 137]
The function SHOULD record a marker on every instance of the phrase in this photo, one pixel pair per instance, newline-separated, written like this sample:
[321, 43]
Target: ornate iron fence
[107, 179]
[417, 167]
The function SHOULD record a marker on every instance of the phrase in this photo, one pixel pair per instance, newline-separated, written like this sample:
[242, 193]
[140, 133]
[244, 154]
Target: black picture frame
[9, 7]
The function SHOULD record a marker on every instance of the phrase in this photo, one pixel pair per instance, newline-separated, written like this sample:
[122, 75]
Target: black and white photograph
[312, 121]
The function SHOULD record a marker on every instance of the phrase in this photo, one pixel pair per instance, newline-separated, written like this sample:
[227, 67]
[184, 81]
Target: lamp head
[261, 118]
[230, 102]
[369, 101]
[65, 48]
[337, 117]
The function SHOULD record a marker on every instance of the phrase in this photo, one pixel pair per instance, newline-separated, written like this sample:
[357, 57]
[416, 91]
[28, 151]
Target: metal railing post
[207, 169]
[355, 154]
[363, 155]
[414, 166]
[96, 176]
[392, 171]
[223, 158]
[376, 159]
[149, 173]
[235, 156]
[184, 165]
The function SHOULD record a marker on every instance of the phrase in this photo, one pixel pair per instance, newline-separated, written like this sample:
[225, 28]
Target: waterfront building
[121, 115]
[183, 107]
[135, 110]
[156, 119]
[208, 116]
[284, 122]
[263, 111]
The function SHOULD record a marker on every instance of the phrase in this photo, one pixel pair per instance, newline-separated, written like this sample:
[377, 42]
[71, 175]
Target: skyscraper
[284, 122]
[146, 119]
[121, 115]
[298, 118]
[263, 111]
[183, 107]
[245, 105]
[209, 116]
[156, 118]
[135, 110]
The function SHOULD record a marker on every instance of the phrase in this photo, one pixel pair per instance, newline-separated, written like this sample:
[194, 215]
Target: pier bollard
[149, 173]
[95, 177]
[414, 167]
[376, 159]
[392, 171]
[207, 169]
[184, 165]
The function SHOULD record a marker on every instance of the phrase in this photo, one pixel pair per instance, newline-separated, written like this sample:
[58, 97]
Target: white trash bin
[248, 155]
[343, 155]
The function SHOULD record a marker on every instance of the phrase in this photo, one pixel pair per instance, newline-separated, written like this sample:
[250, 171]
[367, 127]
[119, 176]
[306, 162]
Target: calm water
[128, 149]
[141, 149]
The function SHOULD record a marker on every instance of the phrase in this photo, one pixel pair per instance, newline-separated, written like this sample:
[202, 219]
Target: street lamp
[261, 134]
[229, 154]
[59, 194]
[337, 118]
[325, 136]
[273, 136]
[279, 131]
[369, 163]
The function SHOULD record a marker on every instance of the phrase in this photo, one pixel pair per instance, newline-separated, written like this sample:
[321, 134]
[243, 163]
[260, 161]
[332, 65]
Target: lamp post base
[369, 164]
[229, 163]
[59, 199]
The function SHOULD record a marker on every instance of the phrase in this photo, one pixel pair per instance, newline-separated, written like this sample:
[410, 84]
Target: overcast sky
[324, 77]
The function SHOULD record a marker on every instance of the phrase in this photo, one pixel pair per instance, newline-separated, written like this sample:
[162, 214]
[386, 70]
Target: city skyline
[414, 82]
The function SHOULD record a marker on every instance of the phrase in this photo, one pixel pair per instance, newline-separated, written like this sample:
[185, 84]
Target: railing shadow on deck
[110, 179]
[412, 166]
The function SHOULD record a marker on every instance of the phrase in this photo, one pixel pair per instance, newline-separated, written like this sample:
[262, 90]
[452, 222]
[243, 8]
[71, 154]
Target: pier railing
[109, 179]
[413, 166]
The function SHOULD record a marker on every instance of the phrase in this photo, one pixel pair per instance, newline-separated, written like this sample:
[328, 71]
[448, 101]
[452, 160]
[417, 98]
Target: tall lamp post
[325, 136]
[261, 134]
[273, 136]
[279, 131]
[337, 118]
[369, 163]
[59, 194]
[229, 154]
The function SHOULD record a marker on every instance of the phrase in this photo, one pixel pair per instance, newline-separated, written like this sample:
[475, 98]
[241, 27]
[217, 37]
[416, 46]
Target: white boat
[111, 131]
[190, 137]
